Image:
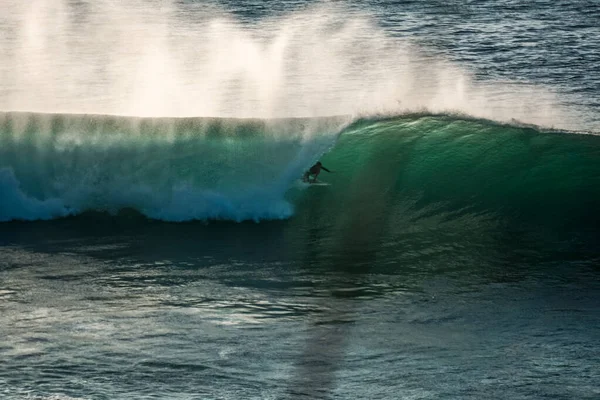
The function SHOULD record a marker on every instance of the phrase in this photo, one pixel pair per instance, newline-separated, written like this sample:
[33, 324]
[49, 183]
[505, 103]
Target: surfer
[315, 170]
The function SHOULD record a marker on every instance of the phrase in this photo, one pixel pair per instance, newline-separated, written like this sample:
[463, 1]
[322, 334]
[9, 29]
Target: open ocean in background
[156, 242]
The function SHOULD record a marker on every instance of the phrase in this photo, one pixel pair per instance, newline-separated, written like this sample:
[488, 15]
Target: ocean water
[156, 241]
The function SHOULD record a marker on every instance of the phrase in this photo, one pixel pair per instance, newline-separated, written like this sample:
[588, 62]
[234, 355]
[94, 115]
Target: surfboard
[317, 183]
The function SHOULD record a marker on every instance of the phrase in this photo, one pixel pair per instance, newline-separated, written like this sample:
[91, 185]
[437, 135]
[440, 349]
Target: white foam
[180, 203]
[15, 204]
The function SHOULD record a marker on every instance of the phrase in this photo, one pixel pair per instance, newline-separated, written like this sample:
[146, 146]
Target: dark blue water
[454, 254]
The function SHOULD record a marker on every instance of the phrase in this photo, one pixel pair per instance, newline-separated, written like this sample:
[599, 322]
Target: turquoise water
[156, 242]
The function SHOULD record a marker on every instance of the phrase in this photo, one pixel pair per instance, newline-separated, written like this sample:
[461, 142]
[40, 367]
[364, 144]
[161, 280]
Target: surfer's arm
[322, 167]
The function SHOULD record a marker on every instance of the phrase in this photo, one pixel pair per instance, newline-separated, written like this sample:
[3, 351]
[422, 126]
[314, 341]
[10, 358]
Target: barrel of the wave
[412, 168]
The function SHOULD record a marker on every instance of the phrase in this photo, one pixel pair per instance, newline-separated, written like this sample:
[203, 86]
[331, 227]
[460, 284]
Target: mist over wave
[166, 58]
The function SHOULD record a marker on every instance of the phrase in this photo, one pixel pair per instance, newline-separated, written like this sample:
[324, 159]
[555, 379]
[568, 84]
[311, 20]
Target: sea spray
[144, 58]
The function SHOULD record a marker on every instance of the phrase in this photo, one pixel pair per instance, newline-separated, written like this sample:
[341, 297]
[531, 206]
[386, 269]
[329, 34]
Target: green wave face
[421, 169]
[431, 193]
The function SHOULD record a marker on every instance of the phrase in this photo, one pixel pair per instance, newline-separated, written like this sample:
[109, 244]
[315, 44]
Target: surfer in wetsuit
[315, 170]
